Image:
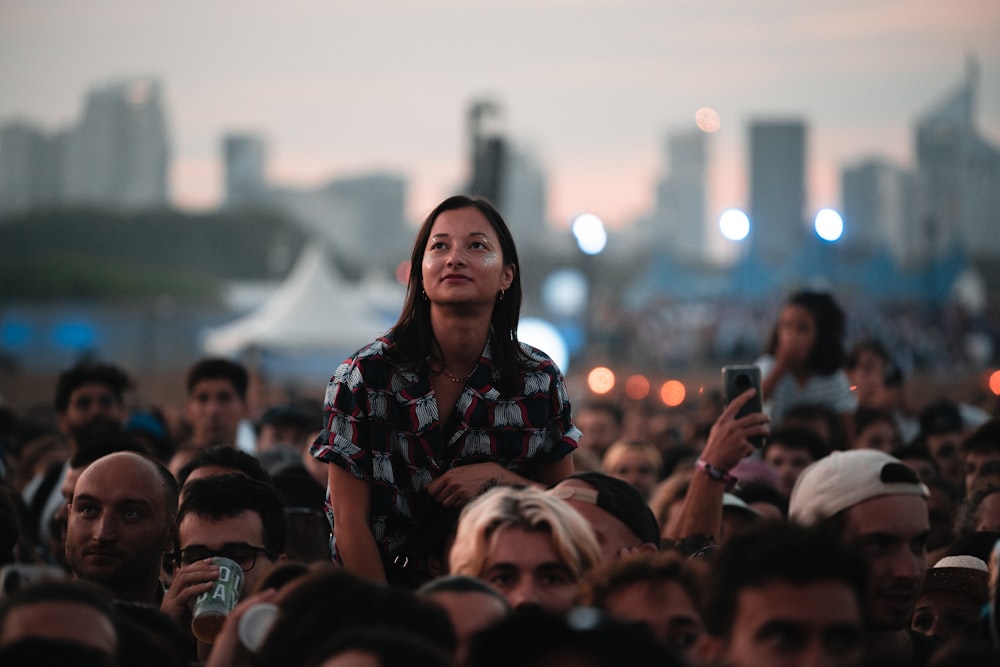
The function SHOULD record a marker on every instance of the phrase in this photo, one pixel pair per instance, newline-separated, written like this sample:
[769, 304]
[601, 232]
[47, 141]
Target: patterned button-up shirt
[382, 426]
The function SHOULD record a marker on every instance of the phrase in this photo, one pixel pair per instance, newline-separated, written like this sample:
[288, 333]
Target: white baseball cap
[841, 480]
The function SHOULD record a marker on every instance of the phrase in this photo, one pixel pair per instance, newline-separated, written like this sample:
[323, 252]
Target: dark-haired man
[784, 595]
[216, 401]
[89, 405]
[872, 500]
[224, 515]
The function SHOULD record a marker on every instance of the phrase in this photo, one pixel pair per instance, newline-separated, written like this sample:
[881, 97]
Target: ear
[509, 271]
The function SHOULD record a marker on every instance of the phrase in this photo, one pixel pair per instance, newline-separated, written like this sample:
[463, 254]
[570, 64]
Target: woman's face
[796, 333]
[463, 262]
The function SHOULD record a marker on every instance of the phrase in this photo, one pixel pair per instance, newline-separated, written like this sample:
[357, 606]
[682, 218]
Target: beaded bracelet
[717, 474]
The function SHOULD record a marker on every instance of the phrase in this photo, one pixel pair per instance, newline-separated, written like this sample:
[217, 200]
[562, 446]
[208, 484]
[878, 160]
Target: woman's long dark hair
[827, 354]
[412, 335]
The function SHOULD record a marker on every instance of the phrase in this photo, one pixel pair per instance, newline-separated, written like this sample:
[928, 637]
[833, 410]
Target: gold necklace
[456, 378]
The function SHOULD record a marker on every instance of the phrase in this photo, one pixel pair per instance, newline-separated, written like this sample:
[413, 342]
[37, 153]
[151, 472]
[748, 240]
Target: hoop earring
[424, 294]
[501, 295]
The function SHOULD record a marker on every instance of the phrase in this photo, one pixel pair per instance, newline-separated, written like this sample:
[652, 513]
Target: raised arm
[728, 444]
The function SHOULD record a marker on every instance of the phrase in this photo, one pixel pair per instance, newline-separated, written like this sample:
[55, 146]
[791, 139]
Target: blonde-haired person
[637, 462]
[531, 546]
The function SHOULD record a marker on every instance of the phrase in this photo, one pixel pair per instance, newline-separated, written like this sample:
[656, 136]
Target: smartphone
[736, 379]
[16, 576]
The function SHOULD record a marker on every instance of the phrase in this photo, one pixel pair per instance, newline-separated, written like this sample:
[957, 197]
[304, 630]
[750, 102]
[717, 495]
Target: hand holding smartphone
[736, 379]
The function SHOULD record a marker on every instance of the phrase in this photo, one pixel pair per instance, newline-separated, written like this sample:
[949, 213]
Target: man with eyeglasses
[226, 515]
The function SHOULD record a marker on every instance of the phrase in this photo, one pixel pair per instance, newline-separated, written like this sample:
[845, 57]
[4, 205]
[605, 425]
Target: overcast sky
[591, 86]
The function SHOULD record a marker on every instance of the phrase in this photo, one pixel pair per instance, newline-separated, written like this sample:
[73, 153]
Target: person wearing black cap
[621, 519]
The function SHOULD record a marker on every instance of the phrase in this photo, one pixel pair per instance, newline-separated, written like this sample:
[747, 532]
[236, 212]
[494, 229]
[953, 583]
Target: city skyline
[593, 88]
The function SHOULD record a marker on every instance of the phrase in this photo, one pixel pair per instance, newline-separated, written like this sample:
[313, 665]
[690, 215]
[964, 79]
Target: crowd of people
[450, 507]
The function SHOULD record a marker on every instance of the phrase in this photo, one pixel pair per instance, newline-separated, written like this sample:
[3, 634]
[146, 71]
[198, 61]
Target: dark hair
[217, 368]
[332, 597]
[647, 567]
[227, 496]
[985, 439]
[810, 411]
[392, 647]
[892, 374]
[608, 407]
[58, 590]
[763, 492]
[870, 345]
[777, 552]
[798, 437]
[224, 456]
[534, 638]
[412, 336]
[148, 636]
[968, 512]
[89, 452]
[87, 372]
[827, 354]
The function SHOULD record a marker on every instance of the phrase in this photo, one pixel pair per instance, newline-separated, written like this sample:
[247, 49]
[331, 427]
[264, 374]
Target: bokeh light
[995, 383]
[637, 387]
[590, 233]
[707, 119]
[829, 225]
[601, 380]
[564, 293]
[672, 393]
[546, 337]
[734, 224]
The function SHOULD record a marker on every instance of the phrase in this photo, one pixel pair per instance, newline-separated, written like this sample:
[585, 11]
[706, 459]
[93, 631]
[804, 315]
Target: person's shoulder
[538, 360]
[365, 360]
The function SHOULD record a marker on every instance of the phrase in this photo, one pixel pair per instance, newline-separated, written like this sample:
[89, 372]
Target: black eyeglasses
[244, 555]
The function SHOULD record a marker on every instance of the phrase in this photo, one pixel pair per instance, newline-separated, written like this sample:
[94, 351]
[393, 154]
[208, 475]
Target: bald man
[120, 524]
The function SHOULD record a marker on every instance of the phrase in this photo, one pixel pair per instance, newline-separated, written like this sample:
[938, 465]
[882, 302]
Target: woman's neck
[462, 336]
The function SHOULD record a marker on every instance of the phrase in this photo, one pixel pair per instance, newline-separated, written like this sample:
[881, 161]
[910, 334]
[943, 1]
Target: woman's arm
[351, 501]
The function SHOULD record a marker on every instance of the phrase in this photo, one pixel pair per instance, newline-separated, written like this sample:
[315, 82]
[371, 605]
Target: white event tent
[313, 311]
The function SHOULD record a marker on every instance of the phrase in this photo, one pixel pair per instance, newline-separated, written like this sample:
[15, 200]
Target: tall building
[877, 204]
[679, 216]
[118, 154]
[21, 150]
[510, 177]
[958, 177]
[777, 189]
[362, 217]
[245, 157]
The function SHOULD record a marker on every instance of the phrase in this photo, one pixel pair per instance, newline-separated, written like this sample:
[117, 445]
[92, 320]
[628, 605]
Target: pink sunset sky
[590, 86]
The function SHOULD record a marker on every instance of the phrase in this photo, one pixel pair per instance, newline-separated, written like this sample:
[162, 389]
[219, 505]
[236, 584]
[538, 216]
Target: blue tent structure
[876, 276]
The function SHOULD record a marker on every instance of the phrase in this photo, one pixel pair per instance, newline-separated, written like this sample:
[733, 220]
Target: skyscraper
[958, 176]
[679, 217]
[877, 202]
[118, 154]
[246, 163]
[777, 189]
[26, 172]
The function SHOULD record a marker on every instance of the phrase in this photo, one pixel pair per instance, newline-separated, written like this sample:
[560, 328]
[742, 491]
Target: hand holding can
[211, 608]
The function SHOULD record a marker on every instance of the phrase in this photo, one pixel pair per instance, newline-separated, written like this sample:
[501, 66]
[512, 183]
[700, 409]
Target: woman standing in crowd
[803, 364]
[447, 404]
